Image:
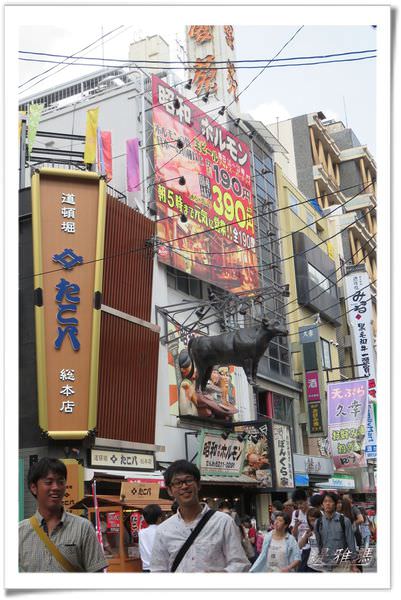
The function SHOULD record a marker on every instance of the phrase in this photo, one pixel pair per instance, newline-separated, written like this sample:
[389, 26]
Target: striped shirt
[75, 538]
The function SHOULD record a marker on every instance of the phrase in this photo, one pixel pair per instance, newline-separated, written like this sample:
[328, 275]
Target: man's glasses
[178, 483]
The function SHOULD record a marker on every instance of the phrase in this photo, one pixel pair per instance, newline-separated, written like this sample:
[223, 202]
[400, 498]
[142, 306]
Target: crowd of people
[320, 533]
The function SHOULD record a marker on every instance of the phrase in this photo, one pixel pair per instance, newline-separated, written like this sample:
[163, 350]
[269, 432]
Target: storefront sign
[218, 456]
[347, 404]
[312, 386]
[113, 522]
[146, 480]
[315, 418]
[313, 465]
[139, 491]
[209, 181]
[308, 333]
[68, 222]
[74, 490]
[338, 481]
[284, 471]
[116, 459]
[258, 457]
[359, 315]
[371, 445]
[301, 479]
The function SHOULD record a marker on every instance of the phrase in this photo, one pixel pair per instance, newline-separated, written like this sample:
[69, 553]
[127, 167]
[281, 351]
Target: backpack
[319, 530]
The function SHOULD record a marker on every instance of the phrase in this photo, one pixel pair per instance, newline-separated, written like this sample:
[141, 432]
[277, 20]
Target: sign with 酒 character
[68, 222]
[219, 456]
[284, 469]
[312, 386]
[347, 406]
[121, 459]
[207, 179]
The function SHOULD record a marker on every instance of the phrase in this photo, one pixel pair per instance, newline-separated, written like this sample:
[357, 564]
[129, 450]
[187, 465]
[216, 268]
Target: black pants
[303, 567]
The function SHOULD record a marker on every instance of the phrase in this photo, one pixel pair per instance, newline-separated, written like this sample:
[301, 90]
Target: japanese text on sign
[216, 197]
[283, 456]
[221, 456]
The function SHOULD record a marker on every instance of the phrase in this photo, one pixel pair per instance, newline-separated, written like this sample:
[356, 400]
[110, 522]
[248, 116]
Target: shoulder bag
[188, 542]
[52, 547]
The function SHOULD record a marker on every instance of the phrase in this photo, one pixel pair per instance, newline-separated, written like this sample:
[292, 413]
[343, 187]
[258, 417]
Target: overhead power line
[68, 57]
[273, 263]
[147, 249]
[164, 242]
[194, 62]
[225, 68]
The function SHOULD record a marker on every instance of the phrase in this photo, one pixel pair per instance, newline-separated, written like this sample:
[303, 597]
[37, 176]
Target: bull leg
[206, 377]
[254, 371]
[248, 368]
[199, 379]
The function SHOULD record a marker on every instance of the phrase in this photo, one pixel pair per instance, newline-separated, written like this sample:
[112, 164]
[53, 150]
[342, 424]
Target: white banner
[359, 315]
[283, 456]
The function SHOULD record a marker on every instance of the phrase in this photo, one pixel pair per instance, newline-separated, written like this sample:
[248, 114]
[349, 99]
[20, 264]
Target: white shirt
[146, 539]
[217, 548]
[303, 525]
[276, 555]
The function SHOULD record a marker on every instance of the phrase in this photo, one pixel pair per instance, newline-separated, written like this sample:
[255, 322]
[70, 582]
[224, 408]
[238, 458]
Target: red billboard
[216, 242]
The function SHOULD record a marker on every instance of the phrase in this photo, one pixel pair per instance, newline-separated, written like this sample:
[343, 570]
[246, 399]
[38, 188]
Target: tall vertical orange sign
[68, 221]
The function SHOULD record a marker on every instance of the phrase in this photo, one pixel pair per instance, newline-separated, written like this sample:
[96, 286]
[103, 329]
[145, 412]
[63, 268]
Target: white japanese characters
[68, 212]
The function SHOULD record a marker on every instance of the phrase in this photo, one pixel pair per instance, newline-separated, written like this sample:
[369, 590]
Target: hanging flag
[104, 158]
[107, 155]
[100, 157]
[133, 180]
[90, 135]
[21, 117]
[35, 111]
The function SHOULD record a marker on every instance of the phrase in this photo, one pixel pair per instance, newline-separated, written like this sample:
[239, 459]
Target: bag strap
[52, 547]
[319, 533]
[342, 522]
[188, 542]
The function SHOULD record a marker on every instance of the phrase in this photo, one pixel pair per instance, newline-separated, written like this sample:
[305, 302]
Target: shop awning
[154, 476]
[87, 502]
[221, 480]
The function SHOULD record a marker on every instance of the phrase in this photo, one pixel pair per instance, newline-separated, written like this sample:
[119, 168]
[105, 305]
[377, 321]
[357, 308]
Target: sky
[344, 91]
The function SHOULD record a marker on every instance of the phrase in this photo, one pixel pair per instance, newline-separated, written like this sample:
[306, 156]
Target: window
[310, 219]
[293, 203]
[317, 278]
[178, 280]
[326, 354]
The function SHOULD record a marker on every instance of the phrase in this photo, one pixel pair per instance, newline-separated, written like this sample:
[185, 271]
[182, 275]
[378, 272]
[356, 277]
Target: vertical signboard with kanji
[210, 47]
[68, 222]
[359, 316]
[347, 405]
[283, 462]
[208, 181]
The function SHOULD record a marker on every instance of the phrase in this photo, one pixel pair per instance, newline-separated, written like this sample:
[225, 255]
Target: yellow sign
[75, 483]
[139, 491]
[68, 222]
[330, 250]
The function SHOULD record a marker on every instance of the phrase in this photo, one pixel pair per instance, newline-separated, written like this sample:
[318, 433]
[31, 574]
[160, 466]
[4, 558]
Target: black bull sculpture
[242, 348]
